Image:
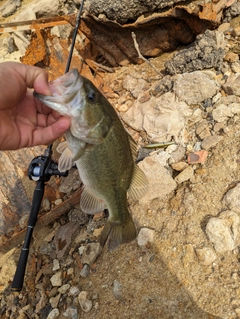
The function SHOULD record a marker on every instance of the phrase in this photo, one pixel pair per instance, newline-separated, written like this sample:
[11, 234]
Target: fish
[103, 151]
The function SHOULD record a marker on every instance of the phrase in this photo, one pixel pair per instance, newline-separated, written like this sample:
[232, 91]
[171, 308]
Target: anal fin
[139, 184]
[89, 203]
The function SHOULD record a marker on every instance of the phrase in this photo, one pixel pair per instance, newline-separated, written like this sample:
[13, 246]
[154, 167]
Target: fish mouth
[64, 93]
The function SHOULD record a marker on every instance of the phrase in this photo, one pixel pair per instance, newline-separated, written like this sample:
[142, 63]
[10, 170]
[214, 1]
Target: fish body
[103, 152]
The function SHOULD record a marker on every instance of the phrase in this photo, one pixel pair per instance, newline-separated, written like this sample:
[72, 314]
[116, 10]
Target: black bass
[103, 152]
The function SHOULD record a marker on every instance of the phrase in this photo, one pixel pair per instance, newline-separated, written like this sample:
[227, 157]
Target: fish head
[76, 97]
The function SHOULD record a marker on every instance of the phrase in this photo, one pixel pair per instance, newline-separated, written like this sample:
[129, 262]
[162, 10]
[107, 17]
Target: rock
[133, 85]
[179, 166]
[160, 180]
[55, 300]
[221, 113]
[185, 175]
[235, 108]
[78, 217]
[197, 157]
[206, 52]
[7, 267]
[222, 231]
[10, 9]
[56, 279]
[236, 32]
[85, 271]
[117, 289]
[84, 302]
[202, 129]
[70, 183]
[232, 86]
[74, 291]
[90, 253]
[206, 255]
[145, 237]
[232, 198]
[71, 312]
[231, 57]
[123, 11]
[42, 302]
[211, 141]
[53, 314]
[63, 238]
[56, 264]
[161, 117]
[64, 288]
[186, 87]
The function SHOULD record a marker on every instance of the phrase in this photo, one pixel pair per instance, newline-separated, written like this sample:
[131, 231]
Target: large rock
[195, 87]
[206, 52]
[161, 117]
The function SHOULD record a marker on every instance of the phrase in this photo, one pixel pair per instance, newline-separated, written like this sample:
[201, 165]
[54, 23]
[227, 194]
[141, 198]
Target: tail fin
[117, 233]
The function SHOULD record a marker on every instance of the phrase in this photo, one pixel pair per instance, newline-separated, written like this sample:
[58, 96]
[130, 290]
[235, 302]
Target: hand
[25, 121]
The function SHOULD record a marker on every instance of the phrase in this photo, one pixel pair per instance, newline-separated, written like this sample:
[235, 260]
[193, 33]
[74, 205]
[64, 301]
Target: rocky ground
[185, 260]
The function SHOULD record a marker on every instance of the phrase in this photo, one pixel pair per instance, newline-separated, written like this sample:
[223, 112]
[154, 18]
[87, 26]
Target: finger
[51, 133]
[34, 77]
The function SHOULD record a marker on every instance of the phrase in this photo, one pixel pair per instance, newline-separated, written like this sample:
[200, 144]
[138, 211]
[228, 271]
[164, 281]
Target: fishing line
[41, 169]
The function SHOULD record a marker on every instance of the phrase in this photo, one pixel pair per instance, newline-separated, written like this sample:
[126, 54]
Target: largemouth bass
[103, 151]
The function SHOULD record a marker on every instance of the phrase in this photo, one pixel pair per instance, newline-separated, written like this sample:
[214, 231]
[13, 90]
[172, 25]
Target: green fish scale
[107, 169]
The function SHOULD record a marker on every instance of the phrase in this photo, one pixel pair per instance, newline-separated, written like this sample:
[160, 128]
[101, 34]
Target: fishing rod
[41, 169]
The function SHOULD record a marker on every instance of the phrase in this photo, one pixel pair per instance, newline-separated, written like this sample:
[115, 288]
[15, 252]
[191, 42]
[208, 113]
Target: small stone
[179, 166]
[224, 27]
[58, 201]
[206, 255]
[84, 302]
[236, 32]
[54, 301]
[232, 198]
[85, 271]
[50, 236]
[185, 175]
[63, 289]
[211, 141]
[202, 130]
[231, 57]
[9, 10]
[53, 314]
[90, 253]
[71, 312]
[145, 236]
[117, 289]
[74, 291]
[56, 279]
[56, 264]
[221, 113]
[232, 86]
[197, 157]
[222, 231]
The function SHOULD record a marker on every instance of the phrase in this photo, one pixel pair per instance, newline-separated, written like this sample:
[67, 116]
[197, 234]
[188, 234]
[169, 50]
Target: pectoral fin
[138, 185]
[66, 159]
[89, 203]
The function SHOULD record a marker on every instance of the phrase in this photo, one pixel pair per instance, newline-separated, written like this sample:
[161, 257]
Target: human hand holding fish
[24, 120]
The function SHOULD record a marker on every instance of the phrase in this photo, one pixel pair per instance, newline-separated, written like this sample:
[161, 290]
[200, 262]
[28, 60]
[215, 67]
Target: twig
[141, 56]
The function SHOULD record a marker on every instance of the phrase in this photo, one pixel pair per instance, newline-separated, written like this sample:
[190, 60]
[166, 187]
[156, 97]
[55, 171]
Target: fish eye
[91, 96]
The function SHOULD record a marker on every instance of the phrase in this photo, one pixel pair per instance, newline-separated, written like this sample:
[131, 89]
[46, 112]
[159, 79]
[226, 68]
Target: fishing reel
[43, 168]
